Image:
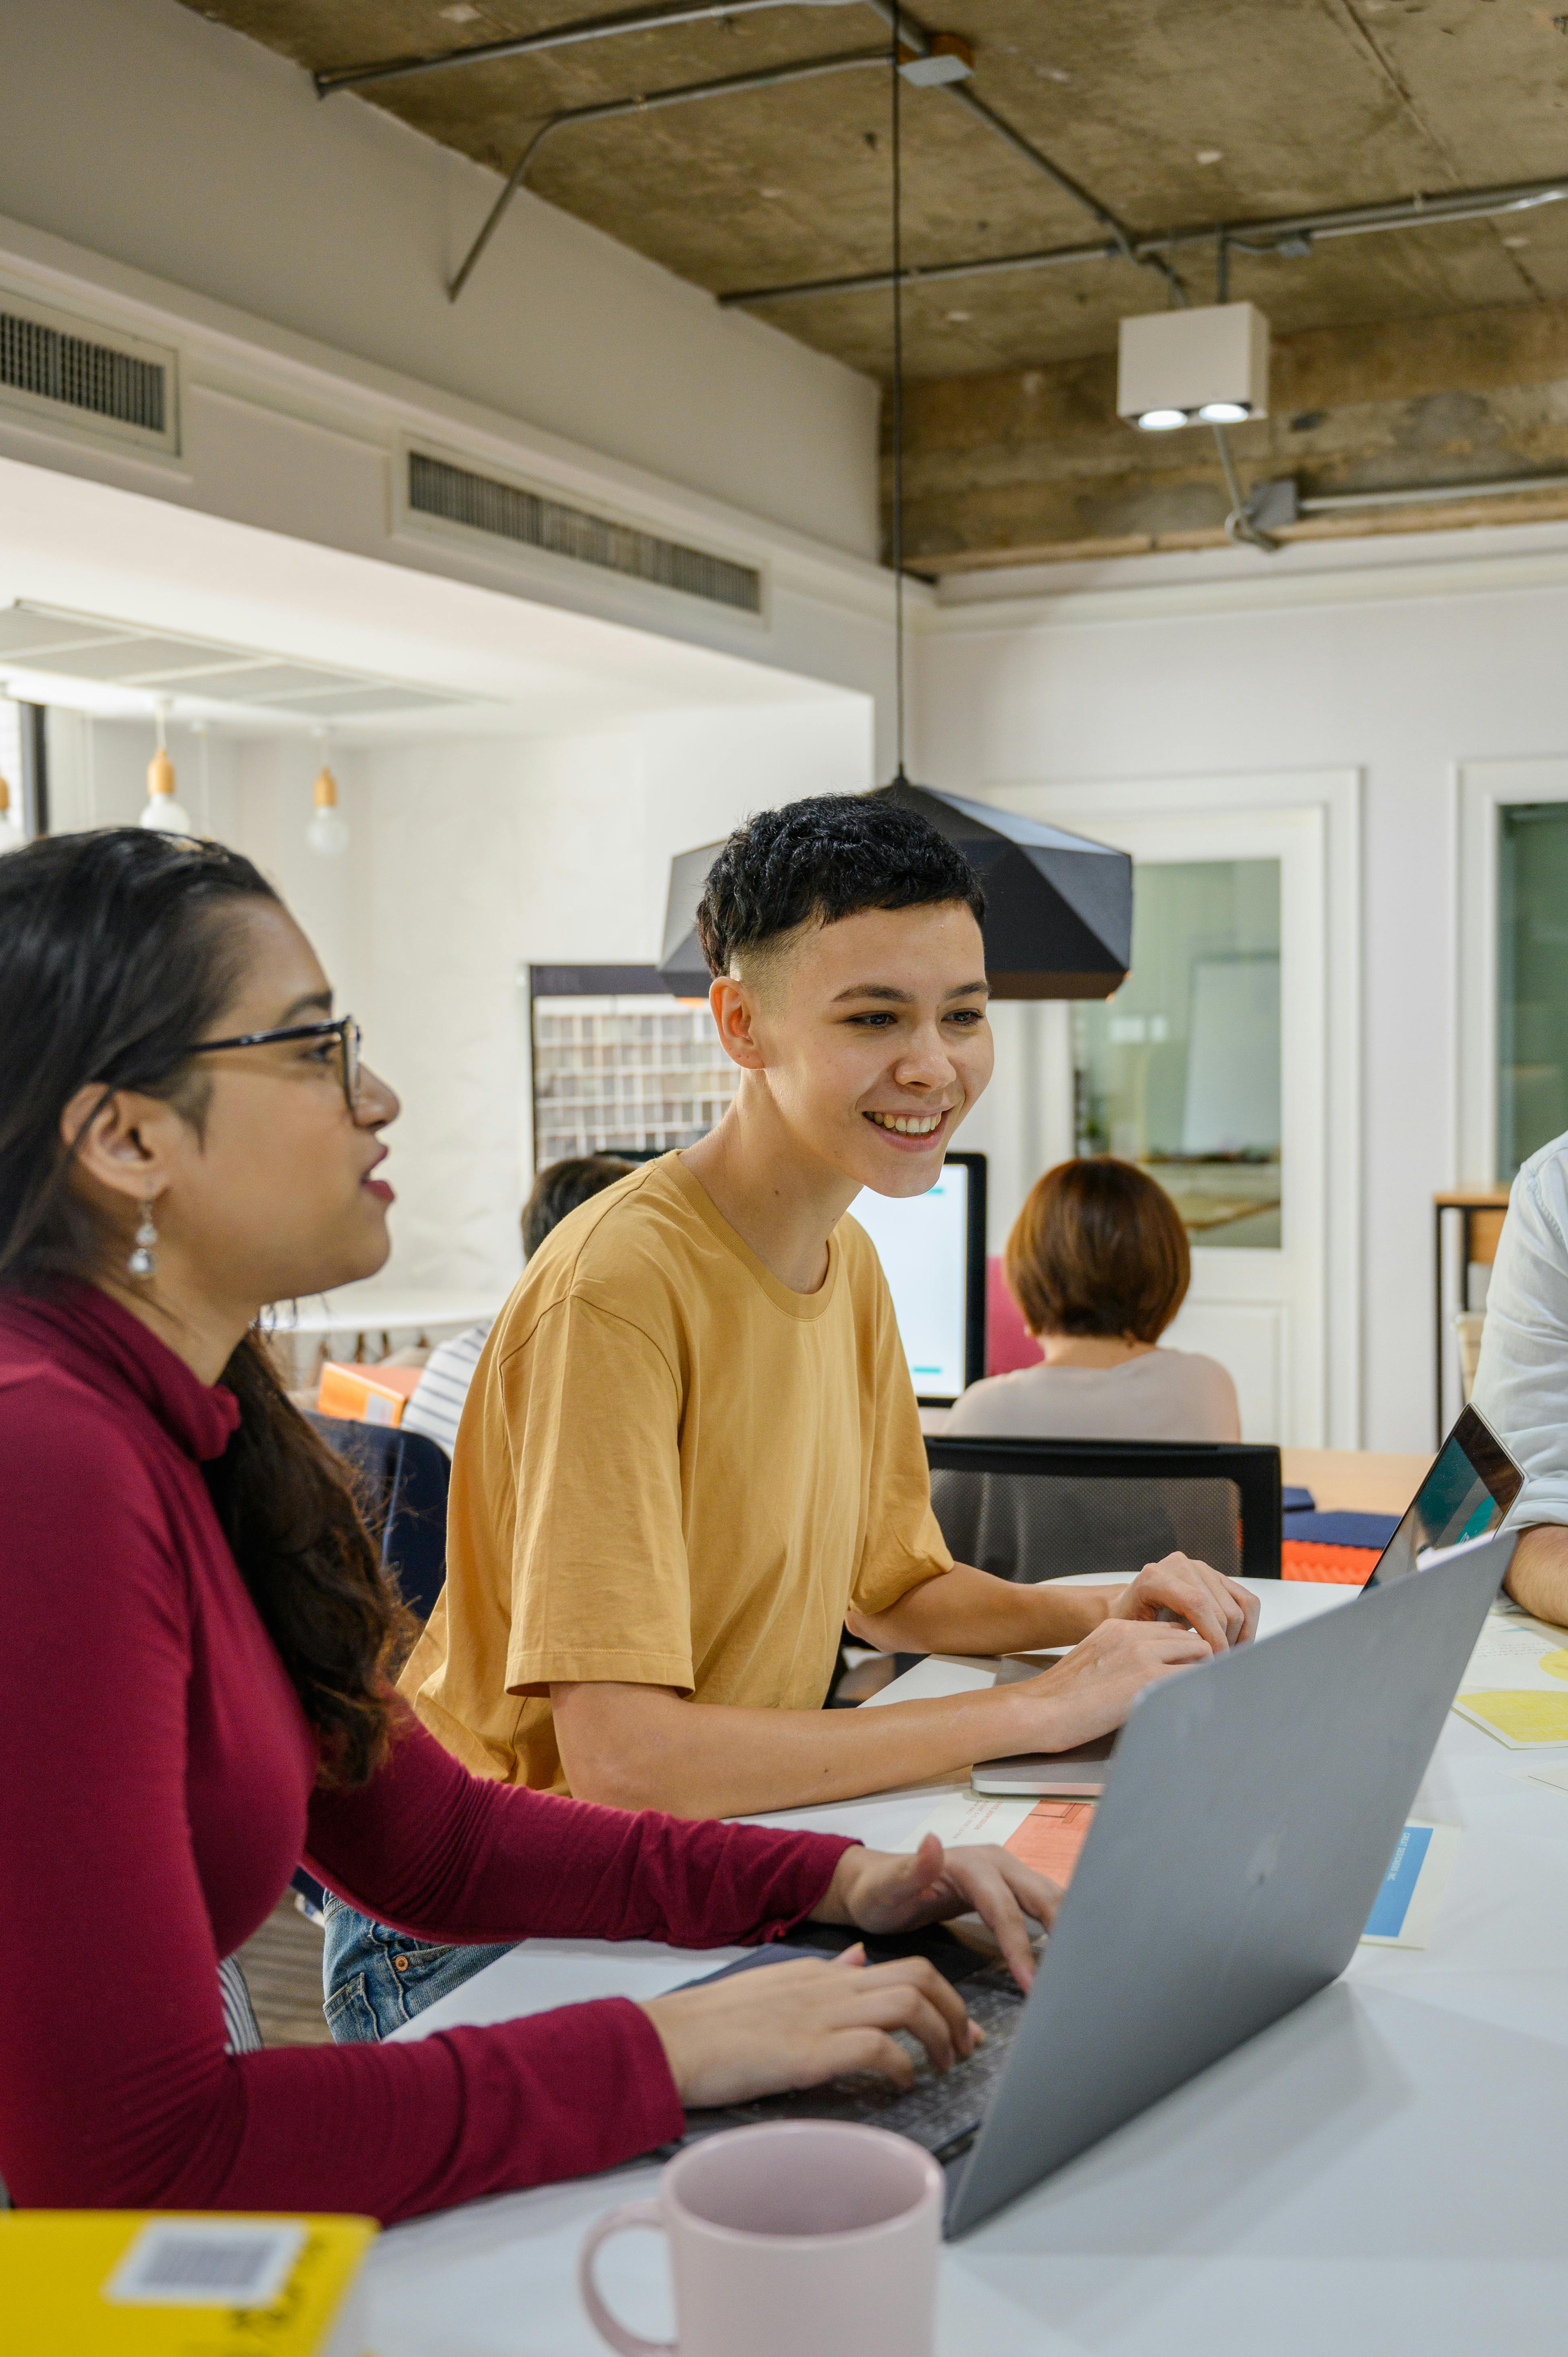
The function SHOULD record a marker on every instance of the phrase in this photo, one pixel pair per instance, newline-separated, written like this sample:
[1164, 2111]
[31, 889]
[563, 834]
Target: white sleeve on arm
[1521, 1383]
[436, 1401]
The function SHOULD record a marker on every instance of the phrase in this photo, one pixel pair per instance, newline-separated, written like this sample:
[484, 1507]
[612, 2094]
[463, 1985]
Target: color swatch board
[1516, 1685]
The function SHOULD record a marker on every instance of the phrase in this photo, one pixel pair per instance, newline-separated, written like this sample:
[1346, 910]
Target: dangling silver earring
[144, 1260]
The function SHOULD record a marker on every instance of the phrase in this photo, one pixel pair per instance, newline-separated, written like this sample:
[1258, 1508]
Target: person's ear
[125, 1144]
[735, 1012]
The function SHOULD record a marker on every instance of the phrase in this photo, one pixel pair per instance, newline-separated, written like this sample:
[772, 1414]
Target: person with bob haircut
[693, 1450]
[1099, 1263]
[195, 1685]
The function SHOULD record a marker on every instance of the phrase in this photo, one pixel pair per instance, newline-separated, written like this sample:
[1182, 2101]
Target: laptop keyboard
[942, 2110]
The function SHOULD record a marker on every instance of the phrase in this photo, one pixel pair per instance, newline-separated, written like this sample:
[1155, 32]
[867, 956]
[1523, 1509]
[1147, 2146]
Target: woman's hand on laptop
[1178, 1586]
[879, 1892]
[763, 2033]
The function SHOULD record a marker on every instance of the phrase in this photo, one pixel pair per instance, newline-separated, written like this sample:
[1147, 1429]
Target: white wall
[471, 859]
[1402, 664]
[137, 131]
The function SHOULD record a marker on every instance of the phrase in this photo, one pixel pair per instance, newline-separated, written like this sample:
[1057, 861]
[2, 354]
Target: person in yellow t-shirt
[690, 1452]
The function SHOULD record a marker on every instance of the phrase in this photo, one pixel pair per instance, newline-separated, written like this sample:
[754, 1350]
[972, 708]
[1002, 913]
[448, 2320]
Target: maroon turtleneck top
[157, 1788]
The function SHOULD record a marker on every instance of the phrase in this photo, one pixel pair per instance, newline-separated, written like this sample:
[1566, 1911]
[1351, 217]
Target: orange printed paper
[1052, 1837]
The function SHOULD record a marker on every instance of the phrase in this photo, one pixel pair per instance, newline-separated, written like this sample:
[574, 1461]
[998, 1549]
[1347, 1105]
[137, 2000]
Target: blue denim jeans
[375, 1979]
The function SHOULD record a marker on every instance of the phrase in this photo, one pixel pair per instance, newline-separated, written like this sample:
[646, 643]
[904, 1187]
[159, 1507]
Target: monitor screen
[1471, 1484]
[932, 1250]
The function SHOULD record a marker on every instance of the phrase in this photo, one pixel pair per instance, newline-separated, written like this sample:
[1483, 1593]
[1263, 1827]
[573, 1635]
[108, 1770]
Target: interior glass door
[1181, 1070]
[1532, 979]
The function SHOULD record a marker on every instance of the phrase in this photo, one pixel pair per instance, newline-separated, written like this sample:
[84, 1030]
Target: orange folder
[365, 1394]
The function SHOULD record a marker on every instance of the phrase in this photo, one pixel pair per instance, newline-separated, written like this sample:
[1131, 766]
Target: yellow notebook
[135, 2283]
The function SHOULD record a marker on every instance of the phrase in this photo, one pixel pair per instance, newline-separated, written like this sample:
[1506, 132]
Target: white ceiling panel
[54, 644]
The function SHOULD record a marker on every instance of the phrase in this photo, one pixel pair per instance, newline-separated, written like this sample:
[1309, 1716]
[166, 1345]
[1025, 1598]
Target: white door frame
[1314, 816]
[1483, 788]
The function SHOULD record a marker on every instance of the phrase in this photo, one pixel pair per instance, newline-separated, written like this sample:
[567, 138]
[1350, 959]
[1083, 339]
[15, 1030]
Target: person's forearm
[1538, 1577]
[968, 1611]
[709, 1760]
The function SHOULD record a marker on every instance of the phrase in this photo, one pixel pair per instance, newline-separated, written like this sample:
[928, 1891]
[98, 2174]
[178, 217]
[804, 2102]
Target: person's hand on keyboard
[876, 1891]
[1092, 1688]
[1179, 1587]
[794, 2025]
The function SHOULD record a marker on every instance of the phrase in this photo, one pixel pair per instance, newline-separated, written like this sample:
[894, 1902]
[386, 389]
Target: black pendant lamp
[1058, 908]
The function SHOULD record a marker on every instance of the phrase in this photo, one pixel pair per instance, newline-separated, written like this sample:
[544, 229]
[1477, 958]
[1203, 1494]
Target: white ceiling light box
[1208, 366]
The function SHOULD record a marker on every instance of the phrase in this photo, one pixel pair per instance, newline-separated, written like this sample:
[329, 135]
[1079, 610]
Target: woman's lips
[379, 1190]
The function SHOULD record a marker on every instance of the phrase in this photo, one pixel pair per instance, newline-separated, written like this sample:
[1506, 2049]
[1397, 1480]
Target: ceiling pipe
[766, 77]
[1431, 494]
[912, 35]
[1292, 235]
[553, 37]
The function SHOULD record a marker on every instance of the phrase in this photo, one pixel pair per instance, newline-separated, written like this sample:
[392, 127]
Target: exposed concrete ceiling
[1174, 113]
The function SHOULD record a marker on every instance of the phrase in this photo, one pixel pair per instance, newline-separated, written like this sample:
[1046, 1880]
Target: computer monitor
[1472, 1483]
[932, 1249]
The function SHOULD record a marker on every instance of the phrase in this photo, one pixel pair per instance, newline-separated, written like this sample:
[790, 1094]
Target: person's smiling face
[873, 1038]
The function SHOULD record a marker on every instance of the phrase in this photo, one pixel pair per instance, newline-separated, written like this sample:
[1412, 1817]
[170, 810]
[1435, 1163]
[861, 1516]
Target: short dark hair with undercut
[827, 857]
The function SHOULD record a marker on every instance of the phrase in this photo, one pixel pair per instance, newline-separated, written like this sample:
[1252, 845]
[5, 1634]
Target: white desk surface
[1379, 2175]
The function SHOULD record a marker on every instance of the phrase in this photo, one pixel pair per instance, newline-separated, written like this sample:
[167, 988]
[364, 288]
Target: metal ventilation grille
[457, 496]
[52, 365]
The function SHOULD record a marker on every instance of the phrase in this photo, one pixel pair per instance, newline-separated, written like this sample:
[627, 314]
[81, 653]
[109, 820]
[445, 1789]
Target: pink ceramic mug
[812, 2234]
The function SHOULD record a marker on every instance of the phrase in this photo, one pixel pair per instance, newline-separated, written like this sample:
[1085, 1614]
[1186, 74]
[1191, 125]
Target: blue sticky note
[1385, 1921]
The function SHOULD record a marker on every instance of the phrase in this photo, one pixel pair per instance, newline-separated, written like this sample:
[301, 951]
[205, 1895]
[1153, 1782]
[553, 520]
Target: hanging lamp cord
[898, 408]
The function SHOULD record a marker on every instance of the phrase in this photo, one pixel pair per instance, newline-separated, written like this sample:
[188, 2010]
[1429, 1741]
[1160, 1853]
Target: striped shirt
[435, 1404]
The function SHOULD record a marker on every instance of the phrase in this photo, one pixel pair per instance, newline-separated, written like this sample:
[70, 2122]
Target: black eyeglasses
[345, 1031]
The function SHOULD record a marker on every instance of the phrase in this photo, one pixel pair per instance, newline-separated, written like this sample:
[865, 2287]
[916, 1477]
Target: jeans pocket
[349, 2015]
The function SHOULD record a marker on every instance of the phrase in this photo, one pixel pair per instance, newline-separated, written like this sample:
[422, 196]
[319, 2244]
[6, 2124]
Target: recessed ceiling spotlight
[1161, 421]
[1225, 413]
[1211, 154]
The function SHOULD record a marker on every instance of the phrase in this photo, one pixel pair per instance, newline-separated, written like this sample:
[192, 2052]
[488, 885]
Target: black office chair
[1035, 1510]
[404, 1477]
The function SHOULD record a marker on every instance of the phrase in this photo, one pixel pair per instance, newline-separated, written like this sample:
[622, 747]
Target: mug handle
[609, 2328]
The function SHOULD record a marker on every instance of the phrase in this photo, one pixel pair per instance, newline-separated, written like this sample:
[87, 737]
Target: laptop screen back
[1471, 1484]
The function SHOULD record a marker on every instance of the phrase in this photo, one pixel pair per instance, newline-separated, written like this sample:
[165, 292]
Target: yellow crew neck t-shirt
[672, 1470]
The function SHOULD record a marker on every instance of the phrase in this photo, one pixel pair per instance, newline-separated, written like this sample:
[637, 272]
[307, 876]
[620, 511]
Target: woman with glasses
[195, 1683]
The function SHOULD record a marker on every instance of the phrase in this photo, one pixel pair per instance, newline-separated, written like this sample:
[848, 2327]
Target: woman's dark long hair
[117, 950]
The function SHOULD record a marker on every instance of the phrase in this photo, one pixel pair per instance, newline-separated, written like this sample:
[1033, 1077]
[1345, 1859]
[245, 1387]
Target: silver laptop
[1187, 1930]
[1471, 1484]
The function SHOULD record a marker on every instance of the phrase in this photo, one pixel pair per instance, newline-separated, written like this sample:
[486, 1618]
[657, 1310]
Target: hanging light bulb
[328, 830]
[11, 836]
[163, 812]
